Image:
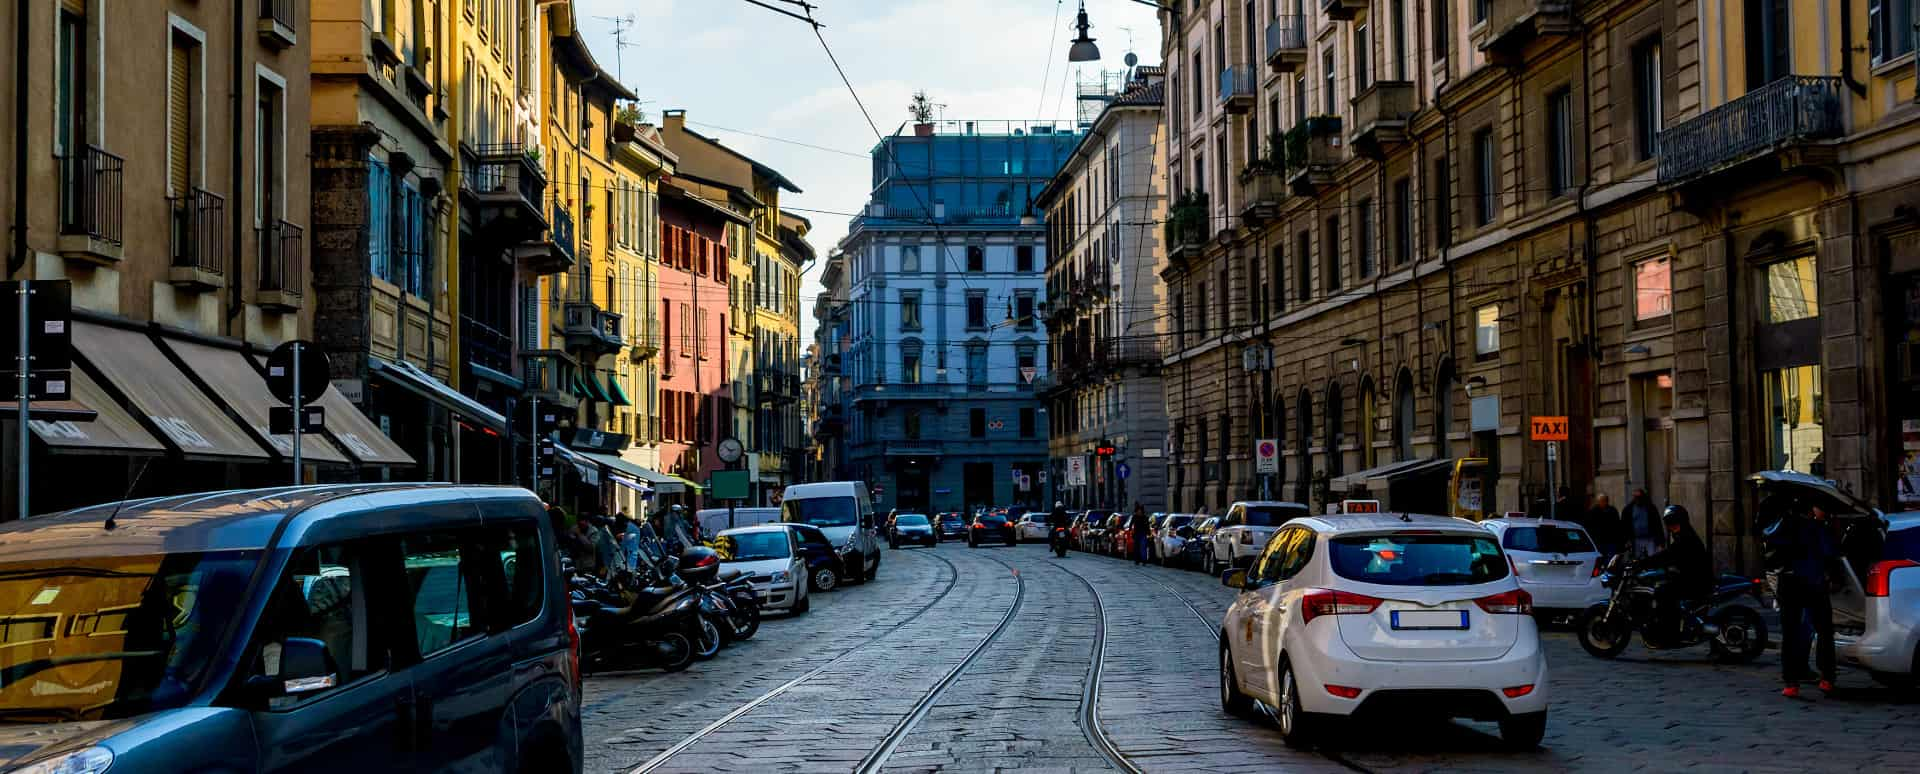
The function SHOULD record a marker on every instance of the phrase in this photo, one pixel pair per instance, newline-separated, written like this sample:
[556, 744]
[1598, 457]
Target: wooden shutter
[179, 117]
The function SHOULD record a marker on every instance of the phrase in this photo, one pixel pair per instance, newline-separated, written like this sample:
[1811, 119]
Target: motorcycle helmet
[1675, 515]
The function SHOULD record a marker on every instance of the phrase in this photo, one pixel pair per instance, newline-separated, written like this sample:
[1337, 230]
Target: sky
[731, 64]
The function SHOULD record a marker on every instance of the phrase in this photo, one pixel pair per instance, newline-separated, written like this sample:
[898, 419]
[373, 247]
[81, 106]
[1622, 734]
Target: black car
[823, 563]
[911, 529]
[990, 527]
[948, 525]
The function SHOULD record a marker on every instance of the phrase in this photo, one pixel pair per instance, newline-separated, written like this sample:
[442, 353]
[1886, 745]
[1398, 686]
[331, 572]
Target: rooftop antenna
[620, 44]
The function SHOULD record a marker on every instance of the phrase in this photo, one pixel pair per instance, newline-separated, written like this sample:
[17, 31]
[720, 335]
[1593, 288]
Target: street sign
[1076, 470]
[49, 336]
[1549, 428]
[729, 484]
[280, 419]
[1122, 471]
[313, 370]
[1266, 456]
[41, 385]
[1028, 372]
[1359, 506]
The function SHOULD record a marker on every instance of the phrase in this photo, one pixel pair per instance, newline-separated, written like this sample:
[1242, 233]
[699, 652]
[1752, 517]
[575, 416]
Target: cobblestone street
[978, 660]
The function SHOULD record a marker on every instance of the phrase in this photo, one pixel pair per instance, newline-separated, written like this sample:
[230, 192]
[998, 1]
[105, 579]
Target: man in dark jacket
[1603, 524]
[1057, 519]
[1802, 549]
[1140, 527]
[1689, 568]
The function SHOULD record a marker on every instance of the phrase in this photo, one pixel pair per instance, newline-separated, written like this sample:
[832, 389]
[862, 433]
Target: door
[344, 596]
[461, 671]
[1257, 601]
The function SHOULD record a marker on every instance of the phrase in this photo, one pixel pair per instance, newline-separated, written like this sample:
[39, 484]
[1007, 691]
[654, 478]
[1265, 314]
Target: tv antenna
[620, 26]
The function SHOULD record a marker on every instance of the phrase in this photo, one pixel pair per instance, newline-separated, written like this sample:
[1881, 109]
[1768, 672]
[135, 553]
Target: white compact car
[1244, 530]
[1887, 640]
[1169, 544]
[1032, 527]
[773, 561]
[1556, 562]
[1383, 612]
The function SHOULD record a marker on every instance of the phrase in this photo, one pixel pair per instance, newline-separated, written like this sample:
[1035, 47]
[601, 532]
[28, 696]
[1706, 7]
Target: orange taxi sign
[1549, 428]
[1359, 506]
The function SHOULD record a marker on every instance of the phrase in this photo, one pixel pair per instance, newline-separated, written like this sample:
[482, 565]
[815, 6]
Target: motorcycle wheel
[1600, 638]
[1742, 637]
[679, 652]
[745, 621]
[706, 638]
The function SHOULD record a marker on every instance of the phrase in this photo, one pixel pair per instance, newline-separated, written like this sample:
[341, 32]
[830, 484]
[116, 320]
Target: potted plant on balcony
[626, 123]
[1187, 221]
[922, 110]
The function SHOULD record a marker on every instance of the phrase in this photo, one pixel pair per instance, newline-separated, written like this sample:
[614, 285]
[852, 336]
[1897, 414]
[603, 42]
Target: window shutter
[530, 318]
[179, 117]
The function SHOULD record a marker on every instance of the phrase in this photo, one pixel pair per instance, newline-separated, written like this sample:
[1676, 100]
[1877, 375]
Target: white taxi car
[1380, 613]
[1244, 530]
[1555, 561]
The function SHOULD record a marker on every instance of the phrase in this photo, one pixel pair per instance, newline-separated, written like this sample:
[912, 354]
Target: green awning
[577, 387]
[616, 395]
[592, 386]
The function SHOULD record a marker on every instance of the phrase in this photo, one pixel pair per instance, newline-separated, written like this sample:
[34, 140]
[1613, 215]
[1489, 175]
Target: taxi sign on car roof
[1359, 506]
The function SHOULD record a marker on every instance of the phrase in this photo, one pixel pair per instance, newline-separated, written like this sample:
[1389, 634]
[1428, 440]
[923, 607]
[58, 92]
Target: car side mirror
[1234, 579]
[294, 666]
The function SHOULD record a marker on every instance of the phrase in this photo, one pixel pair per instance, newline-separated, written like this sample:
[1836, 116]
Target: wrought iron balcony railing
[198, 236]
[1287, 42]
[282, 263]
[1236, 88]
[279, 23]
[1791, 111]
[485, 345]
[90, 194]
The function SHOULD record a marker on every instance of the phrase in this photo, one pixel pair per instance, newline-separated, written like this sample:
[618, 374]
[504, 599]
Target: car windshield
[752, 546]
[911, 520]
[1272, 515]
[821, 512]
[113, 637]
[1406, 559]
[1547, 540]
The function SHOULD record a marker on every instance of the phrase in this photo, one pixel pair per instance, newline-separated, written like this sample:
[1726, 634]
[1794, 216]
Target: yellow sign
[1549, 428]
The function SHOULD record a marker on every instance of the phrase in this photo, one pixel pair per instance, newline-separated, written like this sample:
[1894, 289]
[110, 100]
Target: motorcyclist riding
[1057, 522]
[1689, 568]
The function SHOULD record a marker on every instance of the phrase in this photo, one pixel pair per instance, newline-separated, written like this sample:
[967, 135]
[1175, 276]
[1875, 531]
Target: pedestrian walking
[1141, 527]
[1643, 523]
[1603, 525]
[1802, 549]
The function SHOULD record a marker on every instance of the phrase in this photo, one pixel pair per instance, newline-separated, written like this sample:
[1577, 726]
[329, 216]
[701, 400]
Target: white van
[713, 520]
[842, 510]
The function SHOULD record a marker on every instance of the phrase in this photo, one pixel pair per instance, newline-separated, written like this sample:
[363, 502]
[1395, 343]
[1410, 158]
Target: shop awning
[632, 484]
[591, 388]
[136, 368]
[660, 482]
[111, 431]
[617, 396]
[589, 470]
[354, 432]
[410, 376]
[232, 380]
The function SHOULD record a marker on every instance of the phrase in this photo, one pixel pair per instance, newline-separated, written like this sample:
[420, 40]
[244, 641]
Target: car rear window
[822, 511]
[911, 520]
[1272, 516]
[993, 518]
[1547, 540]
[1404, 559]
[1903, 544]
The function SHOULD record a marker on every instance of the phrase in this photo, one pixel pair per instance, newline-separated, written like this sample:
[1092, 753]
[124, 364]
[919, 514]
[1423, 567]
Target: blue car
[344, 628]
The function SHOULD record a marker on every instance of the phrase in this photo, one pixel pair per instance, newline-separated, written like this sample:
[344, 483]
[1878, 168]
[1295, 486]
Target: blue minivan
[351, 627]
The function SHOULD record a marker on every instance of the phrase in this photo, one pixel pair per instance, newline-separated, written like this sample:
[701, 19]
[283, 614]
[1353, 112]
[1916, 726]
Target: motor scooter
[634, 621]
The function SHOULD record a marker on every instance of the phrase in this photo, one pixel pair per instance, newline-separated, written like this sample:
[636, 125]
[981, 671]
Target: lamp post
[1083, 49]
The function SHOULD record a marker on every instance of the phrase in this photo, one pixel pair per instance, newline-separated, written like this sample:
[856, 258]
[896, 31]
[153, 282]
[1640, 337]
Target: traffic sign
[49, 336]
[1076, 470]
[314, 372]
[280, 419]
[1122, 471]
[1549, 428]
[1266, 456]
[1028, 372]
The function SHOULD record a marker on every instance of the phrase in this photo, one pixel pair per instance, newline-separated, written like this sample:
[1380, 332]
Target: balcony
[549, 377]
[1313, 151]
[278, 23]
[590, 329]
[197, 226]
[1380, 117]
[552, 251]
[1187, 229]
[506, 184]
[645, 344]
[1236, 88]
[1130, 352]
[1262, 188]
[90, 206]
[916, 391]
[486, 346]
[1784, 120]
[282, 265]
[1287, 43]
[1343, 10]
[1512, 24]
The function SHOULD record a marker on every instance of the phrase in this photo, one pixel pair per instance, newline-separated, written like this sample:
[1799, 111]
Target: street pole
[1553, 456]
[24, 364]
[297, 478]
[533, 446]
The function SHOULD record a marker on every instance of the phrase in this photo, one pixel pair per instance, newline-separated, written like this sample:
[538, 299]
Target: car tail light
[1343, 692]
[1319, 602]
[1517, 691]
[573, 646]
[1596, 569]
[1515, 602]
[1880, 578]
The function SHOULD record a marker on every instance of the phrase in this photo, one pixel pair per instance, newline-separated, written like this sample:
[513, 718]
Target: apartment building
[1105, 317]
[1402, 231]
[780, 436]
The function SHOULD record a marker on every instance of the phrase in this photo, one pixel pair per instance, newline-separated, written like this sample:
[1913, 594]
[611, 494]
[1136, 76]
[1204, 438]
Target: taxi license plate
[1429, 619]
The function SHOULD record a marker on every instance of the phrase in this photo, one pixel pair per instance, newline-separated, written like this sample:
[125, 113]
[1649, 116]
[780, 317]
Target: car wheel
[1297, 726]
[1523, 732]
[1232, 701]
[825, 579]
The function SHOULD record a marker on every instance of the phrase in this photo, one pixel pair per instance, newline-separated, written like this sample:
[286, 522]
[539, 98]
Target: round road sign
[315, 374]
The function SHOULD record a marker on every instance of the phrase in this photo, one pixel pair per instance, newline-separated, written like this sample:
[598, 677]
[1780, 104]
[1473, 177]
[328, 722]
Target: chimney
[674, 120]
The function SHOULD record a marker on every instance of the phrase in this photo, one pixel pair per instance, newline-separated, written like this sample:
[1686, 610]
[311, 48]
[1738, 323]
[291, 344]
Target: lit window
[1652, 290]
[1486, 330]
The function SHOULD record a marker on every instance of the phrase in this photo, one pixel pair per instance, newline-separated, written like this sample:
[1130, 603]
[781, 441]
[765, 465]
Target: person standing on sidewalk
[1141, 527]
[1603, 524]
[1643, 524]
[1802, 550]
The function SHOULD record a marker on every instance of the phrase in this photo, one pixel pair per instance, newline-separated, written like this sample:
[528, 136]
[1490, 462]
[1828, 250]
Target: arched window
[1403, 415]
[1335, 412]
[1443, 384]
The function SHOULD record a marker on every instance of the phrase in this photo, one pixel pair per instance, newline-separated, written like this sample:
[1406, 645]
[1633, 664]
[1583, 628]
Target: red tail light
[1517, 691]
[573, 647]
[1515, 602]
[1881, 576]
[1343, 692]
[1596, 569]
[1319, 602]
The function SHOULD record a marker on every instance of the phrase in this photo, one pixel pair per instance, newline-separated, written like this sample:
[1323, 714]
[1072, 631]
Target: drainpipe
[1846, 49]
[1592, 249]
[236, 275]
[22, 59]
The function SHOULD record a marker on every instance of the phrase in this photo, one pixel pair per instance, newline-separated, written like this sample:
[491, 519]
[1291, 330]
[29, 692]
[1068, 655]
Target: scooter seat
[727, 575]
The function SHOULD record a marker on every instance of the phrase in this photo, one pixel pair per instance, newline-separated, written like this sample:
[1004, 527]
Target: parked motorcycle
[729, 601]
[634, 621]
[1728, 621]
